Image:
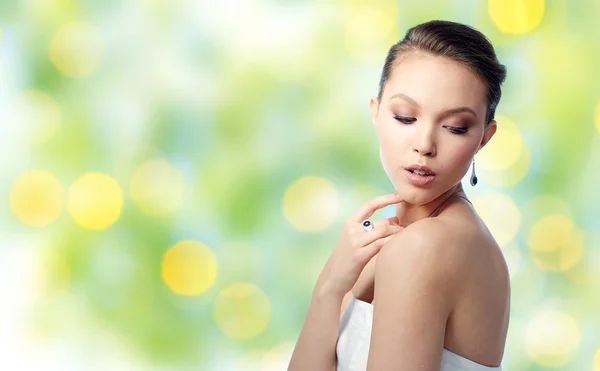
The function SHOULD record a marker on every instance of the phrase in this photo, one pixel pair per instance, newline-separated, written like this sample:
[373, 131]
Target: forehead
[436, 82]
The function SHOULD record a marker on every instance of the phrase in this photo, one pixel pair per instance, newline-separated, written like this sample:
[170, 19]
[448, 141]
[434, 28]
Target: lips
[420, 170]
[419, 175]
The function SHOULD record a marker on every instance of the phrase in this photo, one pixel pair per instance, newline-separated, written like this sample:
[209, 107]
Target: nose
[425, 142]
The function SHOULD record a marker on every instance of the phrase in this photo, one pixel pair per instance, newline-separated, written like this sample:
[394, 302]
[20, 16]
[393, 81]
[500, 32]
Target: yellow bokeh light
[551, 232]
[242, 311]
[49, 12]
[515, 173]
[311, 204]
[597, 360]
[189, 268]
[36, 198]
[76, 49]
[551, 338]
[504, 149]
[370, 29]
[40, 114]
[516, 16]
[505, 160]
[555, 243]
[95, 200]
[500, 214]
[278, 358]
[597, 118]
[158, 187]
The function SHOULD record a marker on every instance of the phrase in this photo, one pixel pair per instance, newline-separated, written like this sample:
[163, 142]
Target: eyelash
[410, 120]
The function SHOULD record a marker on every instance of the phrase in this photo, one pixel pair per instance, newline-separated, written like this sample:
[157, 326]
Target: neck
[408, 213]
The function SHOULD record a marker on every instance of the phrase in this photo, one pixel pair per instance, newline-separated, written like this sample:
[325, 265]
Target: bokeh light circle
[500, 214]
[36, 198]
[516, 16]
[370, 29]
[555, 242]
[311, 204]
[76, 49]
[505, 159]
[95, 200]
[189, 268]
[596, 366]
[158, 187]
[278, 358]
[504, 149]
[242, 311]
[551, 338]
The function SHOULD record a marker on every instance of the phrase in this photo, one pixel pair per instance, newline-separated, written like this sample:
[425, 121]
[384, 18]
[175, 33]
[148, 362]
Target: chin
[414, 195]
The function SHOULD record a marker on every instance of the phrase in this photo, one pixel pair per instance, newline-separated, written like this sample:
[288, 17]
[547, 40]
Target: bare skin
[478, 324]
[441, 279]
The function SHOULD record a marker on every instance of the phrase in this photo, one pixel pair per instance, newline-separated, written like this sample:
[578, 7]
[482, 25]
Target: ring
[367, 225]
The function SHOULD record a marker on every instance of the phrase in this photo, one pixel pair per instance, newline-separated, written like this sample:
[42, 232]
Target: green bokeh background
[244, 98]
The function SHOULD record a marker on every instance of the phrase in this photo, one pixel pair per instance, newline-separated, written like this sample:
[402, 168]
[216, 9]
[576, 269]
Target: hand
[356, 247]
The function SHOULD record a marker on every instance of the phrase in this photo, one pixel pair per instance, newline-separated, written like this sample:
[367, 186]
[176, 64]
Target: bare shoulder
[436, 239]
[430, 252]
[455, 246]
[454, 262]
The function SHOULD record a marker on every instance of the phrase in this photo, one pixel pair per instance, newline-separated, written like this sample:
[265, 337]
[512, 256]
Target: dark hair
[456, 41]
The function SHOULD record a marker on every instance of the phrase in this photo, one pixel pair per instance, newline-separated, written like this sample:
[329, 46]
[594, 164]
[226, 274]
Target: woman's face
[432, 113]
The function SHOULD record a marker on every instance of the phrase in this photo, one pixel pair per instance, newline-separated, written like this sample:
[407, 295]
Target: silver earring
[473, 176]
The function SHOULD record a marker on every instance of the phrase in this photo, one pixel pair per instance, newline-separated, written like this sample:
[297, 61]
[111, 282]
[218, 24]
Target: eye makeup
[463, 129]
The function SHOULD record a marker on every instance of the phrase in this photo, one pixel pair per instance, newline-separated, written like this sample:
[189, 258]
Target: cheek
[462, 157]
[384, 162]
[390, 165]
[389, 150]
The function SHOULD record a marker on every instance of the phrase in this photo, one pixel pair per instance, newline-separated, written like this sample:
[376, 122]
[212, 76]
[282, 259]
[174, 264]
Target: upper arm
[416, 282]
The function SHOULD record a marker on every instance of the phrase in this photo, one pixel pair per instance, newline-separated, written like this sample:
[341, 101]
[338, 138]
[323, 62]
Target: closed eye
[456, 130]
[405, 120]
[410, 120]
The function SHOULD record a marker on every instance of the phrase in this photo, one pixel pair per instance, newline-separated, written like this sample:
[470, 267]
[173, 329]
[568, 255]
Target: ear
[374, 104]
[489, 132]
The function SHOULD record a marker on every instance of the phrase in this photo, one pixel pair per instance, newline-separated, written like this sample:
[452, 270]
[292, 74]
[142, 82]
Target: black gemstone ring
[367, 225]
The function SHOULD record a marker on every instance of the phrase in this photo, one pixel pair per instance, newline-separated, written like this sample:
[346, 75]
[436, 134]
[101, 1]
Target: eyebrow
[446, 112]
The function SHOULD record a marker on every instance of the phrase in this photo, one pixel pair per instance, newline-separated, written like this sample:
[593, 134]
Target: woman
[427, 289]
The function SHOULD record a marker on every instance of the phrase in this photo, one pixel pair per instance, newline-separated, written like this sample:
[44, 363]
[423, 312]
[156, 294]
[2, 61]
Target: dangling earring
[473, 176]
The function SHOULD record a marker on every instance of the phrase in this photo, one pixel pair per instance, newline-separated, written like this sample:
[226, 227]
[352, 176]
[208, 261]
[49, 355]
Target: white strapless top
[355, 335]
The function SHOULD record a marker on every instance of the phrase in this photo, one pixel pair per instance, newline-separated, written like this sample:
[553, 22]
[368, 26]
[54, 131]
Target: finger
[364, 239]
[386, 221]
[369, 208]
[368, 252]
[357, 228]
